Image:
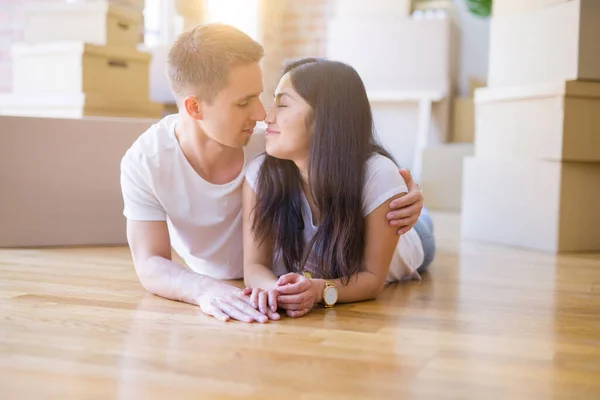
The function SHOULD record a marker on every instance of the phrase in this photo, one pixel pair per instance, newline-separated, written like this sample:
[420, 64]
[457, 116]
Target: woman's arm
[257, 256]
[381, 240]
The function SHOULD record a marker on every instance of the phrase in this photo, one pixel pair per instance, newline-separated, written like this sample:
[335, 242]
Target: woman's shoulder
[382, 181]
[380, 164]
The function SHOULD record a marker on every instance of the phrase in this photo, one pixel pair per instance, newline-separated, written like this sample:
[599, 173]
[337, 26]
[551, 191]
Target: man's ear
[193, 107]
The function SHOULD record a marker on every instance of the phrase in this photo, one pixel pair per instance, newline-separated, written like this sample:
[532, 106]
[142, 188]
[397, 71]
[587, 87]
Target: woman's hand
[265, 301]
[297, 294]
[261, 299]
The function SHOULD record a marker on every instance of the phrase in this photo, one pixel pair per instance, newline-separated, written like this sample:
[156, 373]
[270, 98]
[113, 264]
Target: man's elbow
[147, 275]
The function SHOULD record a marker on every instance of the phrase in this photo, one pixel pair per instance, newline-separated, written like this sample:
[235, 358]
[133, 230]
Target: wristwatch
[330, 294]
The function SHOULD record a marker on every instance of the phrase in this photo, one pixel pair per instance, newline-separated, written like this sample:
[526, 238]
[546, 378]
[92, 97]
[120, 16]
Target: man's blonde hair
[200, 59]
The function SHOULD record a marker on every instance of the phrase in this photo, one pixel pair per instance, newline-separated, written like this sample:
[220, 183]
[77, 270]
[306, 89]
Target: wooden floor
[486, 323]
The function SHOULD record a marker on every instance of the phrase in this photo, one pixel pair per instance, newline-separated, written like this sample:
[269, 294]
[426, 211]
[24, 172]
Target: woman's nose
[270, 118]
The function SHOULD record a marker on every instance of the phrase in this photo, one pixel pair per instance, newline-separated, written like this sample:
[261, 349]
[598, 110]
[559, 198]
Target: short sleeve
[382, 182]
[252, 171]
[140, 202]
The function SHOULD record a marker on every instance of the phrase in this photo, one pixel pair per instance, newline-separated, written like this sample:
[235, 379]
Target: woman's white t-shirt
[382, 181]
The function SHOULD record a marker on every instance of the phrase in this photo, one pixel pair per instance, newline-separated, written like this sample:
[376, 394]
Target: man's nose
[259, 113]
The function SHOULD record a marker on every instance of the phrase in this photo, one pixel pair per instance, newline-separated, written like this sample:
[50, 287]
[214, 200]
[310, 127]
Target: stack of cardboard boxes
[534, 181]
[441, 180]
[80, 58]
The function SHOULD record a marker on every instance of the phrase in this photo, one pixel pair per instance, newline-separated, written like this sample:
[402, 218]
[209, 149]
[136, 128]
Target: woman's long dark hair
[342, 143]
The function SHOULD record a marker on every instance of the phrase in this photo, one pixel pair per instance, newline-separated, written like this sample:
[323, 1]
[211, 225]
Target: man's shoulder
[156, 140]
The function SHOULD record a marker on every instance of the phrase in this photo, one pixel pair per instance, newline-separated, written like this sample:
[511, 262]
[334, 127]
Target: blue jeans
[424, 228]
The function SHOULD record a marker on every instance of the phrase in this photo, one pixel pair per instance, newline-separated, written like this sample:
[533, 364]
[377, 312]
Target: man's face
[231, 117]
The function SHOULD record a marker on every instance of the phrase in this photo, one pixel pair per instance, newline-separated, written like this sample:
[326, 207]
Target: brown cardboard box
[79, 67]
[77, 105]
[60, 180]
[98, 22]
[463, 120]
[541, 205]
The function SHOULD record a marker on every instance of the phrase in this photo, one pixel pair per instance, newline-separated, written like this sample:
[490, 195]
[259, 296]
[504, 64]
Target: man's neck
[214, 162]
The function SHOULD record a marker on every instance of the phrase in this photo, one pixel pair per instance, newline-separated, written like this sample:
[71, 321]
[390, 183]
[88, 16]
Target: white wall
[473, 46]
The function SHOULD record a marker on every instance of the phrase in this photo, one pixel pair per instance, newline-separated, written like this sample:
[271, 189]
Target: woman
[314, 206]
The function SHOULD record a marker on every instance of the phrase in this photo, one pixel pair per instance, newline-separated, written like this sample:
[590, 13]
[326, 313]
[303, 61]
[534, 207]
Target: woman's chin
[273, 151]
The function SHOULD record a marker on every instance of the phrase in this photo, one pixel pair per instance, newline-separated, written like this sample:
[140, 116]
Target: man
[182, 179]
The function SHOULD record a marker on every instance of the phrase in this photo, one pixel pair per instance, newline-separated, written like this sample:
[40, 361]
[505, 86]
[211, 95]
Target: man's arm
[151, 251]
[405, 211]
[150, 246]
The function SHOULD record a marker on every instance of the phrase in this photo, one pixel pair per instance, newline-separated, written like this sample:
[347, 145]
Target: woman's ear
[193, 107]
[310, 121]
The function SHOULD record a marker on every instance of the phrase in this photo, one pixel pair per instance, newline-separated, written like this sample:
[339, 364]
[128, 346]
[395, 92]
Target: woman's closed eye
[244, 104]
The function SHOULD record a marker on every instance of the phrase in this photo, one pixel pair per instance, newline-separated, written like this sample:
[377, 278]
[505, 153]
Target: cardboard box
[476, 83]
[463, 120]
[503, 8]
[372, 9]
[540, 205]
[78, 67]
[136, 5]
[441, 181]
[60, 180]
[556, 43]
[99, 22]
[405, 55]
[77, 105]
[559, 122]
[5, 76]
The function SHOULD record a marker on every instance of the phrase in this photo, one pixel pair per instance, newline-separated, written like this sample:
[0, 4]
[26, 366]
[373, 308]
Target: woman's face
[289, 124]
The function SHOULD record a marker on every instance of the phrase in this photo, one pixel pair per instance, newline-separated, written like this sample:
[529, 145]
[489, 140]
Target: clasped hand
[294, 293]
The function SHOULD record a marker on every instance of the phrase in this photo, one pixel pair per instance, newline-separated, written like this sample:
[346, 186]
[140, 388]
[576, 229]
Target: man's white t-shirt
[204, 219]
[382, 181]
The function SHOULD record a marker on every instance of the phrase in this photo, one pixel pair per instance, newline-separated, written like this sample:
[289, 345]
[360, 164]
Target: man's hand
[224, 306]
[297, 294]
[406, 209]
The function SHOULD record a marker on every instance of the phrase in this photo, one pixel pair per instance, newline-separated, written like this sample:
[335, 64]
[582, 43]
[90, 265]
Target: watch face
[330, 296]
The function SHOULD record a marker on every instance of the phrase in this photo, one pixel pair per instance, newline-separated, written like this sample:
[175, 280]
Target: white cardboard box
[5, 76]
[136, 5]
[77, 67]
[395, 55]
[558, 122]
[76, 105]
[98, 22]
[372, 8]
[60, 180]
[441, 180]
[541, 205]
[502, 8]
[556, 43]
